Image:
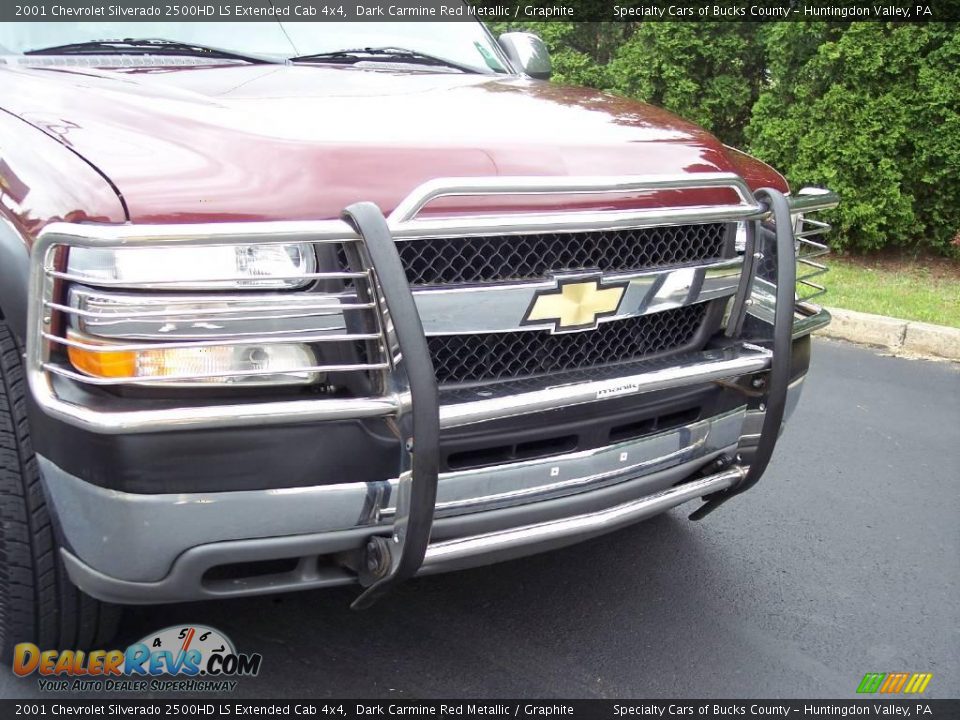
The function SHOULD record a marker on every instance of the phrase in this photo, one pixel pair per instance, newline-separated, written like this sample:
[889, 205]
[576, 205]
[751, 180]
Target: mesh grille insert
[499, 356]
[445, 261]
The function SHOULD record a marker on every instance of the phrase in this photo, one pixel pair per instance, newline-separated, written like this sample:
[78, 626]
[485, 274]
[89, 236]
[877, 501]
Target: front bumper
[458, 544]
[130, 548]
[143, 549]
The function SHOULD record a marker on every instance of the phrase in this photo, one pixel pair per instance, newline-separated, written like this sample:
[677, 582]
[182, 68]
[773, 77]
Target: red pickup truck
[293, 305]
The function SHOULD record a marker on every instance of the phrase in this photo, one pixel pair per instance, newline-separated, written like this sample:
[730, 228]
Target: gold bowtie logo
[575, 304]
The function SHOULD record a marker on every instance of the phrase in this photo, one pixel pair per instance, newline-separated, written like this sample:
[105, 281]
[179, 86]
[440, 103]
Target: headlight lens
[198, 339]
[254, 364]
[207, 267]
[196, 316]
[164, 315]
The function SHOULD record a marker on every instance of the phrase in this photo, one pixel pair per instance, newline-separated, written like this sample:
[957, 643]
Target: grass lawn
[926, 289]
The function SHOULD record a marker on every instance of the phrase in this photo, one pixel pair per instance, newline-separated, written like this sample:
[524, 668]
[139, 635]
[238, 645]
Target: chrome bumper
[482, 516]
[462, 544]
[106, 527]
[450, 554]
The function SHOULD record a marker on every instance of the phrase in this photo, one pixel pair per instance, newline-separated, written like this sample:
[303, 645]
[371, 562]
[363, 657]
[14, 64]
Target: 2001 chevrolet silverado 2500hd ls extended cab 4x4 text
[293, 305]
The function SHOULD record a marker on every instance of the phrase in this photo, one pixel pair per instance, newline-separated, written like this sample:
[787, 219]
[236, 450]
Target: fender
[42, 181]
[14, 275]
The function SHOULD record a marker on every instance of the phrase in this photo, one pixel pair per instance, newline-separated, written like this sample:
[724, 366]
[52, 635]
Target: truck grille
[498, 356]
[498, 258]
[478, 358]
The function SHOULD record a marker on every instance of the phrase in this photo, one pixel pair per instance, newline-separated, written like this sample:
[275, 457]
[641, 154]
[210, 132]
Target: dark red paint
[252, 142]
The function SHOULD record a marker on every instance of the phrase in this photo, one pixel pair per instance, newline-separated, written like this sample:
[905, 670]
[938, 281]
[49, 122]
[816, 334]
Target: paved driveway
[843, 560]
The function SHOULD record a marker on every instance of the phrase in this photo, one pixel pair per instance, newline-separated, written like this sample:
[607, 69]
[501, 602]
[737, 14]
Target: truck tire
[38, 603]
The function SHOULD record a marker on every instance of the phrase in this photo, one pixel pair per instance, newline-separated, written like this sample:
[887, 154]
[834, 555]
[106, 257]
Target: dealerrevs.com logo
[192, 658]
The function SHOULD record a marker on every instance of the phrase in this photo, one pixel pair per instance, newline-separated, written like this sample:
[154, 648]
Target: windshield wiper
[383, 54]
[147, 46]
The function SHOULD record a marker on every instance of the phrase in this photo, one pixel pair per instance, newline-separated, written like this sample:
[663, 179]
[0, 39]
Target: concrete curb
[900, 337]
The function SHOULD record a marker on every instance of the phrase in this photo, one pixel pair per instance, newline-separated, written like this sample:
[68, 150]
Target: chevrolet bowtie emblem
[575, 304]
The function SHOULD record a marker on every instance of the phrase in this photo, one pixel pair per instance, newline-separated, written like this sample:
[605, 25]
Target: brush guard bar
[391, 561]
[778, 379]
[408, 396]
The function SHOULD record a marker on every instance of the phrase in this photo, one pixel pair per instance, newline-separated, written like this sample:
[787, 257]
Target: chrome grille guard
[404, 388]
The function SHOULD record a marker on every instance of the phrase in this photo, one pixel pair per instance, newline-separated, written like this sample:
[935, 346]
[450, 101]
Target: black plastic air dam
[778, 380]
[419, 429]
[323, 453]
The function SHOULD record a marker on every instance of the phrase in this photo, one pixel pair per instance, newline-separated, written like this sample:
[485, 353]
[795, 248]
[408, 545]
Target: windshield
[463, 43]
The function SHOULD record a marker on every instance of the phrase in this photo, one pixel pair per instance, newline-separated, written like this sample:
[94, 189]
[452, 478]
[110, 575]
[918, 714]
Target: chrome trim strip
[121, 422]
[151, 380]
[477, 309]
[696, 368]
[131, 316]
[228, 233]
[521, 224]
[701, 367]
[813, 318]
[189, 284]
[187, 344]
[816, 228]
[406, 212]
[488, 488]
[808, 317]
[812, 199]
[578, 526]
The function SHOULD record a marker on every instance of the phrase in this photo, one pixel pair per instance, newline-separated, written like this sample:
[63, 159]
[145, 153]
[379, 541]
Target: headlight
[186, 316]
[235, 364]
[273, 266]
[181, 338]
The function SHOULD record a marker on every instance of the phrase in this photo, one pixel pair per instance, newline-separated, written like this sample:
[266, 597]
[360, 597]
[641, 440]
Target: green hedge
[871, 110]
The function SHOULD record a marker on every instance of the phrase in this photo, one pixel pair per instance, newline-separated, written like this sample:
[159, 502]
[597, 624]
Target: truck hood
[252, 142]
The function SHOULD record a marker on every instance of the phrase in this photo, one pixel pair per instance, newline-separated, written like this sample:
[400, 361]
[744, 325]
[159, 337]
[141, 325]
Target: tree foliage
[871, 110]
[710, 73]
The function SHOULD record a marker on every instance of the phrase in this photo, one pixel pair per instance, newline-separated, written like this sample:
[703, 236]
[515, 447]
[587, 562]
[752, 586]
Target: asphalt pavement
[842, 561]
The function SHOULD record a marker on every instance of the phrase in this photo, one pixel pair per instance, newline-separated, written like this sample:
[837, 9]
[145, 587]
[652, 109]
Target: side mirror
[528, 53]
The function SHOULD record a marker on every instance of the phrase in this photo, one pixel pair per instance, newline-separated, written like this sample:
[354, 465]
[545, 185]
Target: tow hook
[714, 500]
[718, 465]
[754, 386]
[375, 561]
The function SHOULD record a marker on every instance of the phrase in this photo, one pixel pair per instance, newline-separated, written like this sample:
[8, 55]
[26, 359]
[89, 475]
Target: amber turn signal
[104, 363]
